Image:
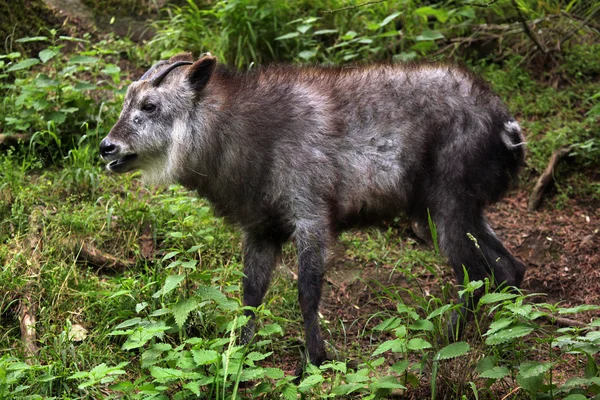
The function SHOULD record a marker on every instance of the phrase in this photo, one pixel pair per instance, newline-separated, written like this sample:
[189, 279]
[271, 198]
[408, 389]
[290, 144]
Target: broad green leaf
[41, 104]
[404, 309]
[429, 35]
[418, 344]
[310, 382]
[346, 389]
[81, 86]
[495, 373]
[48, 54]
[576, 382]
[396, 346]
[58, 117]
[406, 56]
[307, 54]
[140, 306]
[203, 357]
[387, 382]
[499, 324]
[453, 350]
[170, 255]
[82, 60]
[519, 309]
[530, 369]
[165, 374]
[290, 392]
[578, 309]
[274, 373]
[193, 387]
[212, 293]
[591, 368]
[377, 362]
[270, 329]
[335, 366]
[191, 264]
[358, 377]
[575, 397]
[28, 63]
[468, 12]
[290, 35]
[388, 324]
[400, 366]
[171, 283]
[422, 325]
[160, 312]
[440, 14]
[250, 374]
[389, 19]
[304, 28]
[152, 355]
[256, 356]
[531, 385]
[349, 35]
[137, 339]
[111, 69]
[325, 32]
[496, 297]
[182, 309]
[508, 334]
[439, 311]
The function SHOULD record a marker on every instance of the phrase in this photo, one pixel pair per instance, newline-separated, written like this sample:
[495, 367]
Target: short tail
[515, 142]
[512, 136]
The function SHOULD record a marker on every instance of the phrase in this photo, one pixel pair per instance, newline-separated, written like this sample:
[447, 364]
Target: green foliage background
[167, 326]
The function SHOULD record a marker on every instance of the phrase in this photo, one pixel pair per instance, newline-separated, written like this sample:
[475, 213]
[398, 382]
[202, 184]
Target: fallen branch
[544, 180]
[528, 31]
[565, 322]
[145, 241]
[367, 3]
[88, 254]
[27, 306]
[27, 324]
[11, 140]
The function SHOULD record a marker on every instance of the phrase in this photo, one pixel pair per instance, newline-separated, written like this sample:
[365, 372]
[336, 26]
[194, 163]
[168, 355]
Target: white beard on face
[159, 172]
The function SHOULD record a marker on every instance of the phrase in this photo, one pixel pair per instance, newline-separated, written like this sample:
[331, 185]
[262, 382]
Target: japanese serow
[303, 153]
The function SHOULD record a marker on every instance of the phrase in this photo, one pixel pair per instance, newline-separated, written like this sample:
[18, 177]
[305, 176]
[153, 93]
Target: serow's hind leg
[470, 244]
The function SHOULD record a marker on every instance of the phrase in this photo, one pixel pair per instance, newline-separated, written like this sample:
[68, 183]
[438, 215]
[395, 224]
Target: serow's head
[163, 98]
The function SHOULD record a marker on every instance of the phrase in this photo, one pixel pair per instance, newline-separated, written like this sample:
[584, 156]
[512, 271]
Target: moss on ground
[21, 18]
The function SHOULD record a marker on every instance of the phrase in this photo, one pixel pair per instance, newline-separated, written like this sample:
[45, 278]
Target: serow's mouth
[123, 164]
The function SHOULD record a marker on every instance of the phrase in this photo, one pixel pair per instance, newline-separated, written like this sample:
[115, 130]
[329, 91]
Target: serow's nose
[108, 148]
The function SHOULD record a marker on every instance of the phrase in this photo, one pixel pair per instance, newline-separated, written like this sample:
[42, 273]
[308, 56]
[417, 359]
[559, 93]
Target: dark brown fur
[304, 153]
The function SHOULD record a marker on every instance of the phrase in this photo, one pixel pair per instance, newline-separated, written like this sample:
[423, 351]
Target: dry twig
[544, 180]
[368, 3]
[11, 140]
[86, 253]
[528, 31]
[27, 305]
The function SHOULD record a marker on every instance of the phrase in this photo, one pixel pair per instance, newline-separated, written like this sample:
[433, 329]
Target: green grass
[168, 325]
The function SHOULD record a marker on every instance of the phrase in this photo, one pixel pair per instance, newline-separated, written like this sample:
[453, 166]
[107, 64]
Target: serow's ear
[200, 72]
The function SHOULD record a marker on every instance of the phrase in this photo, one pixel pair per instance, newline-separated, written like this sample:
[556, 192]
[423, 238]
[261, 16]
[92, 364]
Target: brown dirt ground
[560, 248]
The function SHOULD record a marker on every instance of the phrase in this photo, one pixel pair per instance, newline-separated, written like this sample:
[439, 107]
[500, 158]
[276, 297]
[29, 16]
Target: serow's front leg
[260, 258]
[311, 241]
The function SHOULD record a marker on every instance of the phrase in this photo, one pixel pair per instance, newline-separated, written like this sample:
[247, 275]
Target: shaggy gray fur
[303, 153]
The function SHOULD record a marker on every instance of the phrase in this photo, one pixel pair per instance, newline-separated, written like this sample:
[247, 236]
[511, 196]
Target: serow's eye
[148, 107]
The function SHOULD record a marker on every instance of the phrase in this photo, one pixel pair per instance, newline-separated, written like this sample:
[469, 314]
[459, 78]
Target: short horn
[154, 67]
[159, 78]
